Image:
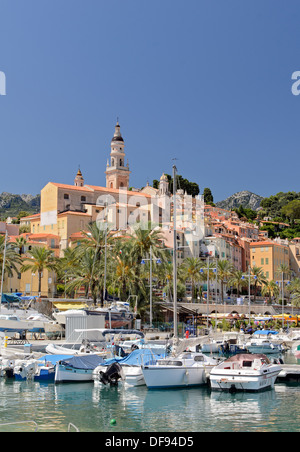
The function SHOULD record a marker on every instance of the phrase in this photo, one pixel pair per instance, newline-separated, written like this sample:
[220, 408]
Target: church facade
[68, 209]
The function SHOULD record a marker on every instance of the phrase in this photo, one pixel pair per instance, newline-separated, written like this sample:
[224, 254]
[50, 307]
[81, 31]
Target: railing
[70, 426]
[20, 423]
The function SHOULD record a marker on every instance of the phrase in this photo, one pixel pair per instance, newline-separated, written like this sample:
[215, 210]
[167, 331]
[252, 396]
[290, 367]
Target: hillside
[11, 205]
[243, 198]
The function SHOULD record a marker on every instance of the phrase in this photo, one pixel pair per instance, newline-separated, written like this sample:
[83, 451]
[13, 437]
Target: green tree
[259, 280]
[292, 210]
[12, 259]
[208, 197]
[21, 242]
[190, 271]
[88, 274]
[294, 289]
[236, 281]
[270, 289]
[224, 273]
[40, 259]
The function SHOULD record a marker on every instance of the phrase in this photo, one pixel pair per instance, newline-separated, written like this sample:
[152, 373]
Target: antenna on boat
[175, 253]
[3, 269]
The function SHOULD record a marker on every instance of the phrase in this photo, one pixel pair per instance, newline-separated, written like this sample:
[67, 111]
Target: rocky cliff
[245, 198]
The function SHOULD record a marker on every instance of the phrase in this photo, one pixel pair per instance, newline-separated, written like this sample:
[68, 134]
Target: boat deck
[289, 372]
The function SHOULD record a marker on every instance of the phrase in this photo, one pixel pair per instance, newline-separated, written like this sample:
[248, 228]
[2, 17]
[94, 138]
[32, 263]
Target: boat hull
[134, 376]
[237, 382]
[174, 377]
[65, 374]
[257, 349]
[43, 375]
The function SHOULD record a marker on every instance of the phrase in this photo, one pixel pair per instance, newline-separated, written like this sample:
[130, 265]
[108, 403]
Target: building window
[267, 261]
[262, 261]
[83, 198]
[66, 196]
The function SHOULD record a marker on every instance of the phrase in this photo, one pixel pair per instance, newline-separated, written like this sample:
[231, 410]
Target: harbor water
[91, 408]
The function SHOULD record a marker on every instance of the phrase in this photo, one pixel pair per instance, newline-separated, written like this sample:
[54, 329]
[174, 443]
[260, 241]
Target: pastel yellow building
[27, 282]
[269, 256]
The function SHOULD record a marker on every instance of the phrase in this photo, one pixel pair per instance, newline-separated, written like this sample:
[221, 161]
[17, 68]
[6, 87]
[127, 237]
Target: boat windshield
[170, 363]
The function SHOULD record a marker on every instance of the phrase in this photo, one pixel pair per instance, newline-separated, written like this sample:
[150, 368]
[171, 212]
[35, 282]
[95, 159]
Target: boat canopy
[264, 332]
[89, 362]
[70, 305]
[10, 298]
[136, 358]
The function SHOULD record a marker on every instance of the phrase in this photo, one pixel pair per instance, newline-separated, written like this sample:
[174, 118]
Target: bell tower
[79, 181]
[117, 173]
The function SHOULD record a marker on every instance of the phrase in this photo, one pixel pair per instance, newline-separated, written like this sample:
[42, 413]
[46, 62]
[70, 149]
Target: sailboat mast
[3, 270]
[175, 253]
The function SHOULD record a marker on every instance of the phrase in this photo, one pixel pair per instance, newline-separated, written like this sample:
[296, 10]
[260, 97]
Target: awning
[67, 306]
[289, 317]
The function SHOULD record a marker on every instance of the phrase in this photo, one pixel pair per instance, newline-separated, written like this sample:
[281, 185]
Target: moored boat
[244, 372]
[187, 369]
[261, 343]
[77, 368]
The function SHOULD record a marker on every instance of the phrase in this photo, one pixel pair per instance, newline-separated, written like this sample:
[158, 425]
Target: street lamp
[249, 276]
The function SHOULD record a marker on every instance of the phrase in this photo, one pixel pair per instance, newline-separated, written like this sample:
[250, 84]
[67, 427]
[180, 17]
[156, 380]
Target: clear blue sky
[205, 81]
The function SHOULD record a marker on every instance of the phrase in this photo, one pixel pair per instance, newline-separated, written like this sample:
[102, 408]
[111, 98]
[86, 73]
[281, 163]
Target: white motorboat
[261, 342]
[85, 349]
[10, 323]
[213, 346]
[187, 369]
[244, 372]
[132, 374]
[157, 349]
[229, 342]
[77, 368]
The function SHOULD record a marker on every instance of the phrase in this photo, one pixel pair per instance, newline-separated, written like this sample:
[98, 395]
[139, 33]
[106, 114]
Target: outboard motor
[113, 374]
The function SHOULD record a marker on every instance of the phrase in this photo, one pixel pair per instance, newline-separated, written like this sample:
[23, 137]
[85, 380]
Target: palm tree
[270, 289]
[40, 259]
[294, 289]
[208, 273]
[190, 271]
[21, 242]
[143, 239]
[284, 272]
[224, 273]
[165, 276]
[88, 274]
[123, 269]
[236, 280]
[260, 279]
[12, 259]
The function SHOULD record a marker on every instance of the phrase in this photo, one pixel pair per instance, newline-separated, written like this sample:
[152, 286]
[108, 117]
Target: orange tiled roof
[91, 188]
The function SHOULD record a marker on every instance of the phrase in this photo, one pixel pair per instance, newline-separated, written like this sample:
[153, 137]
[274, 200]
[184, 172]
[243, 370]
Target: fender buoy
[187, 334]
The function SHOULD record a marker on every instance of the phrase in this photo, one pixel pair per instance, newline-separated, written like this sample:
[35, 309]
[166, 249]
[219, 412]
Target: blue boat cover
[136, 358]
[265, 332]
[10, 298]
[89, 362]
